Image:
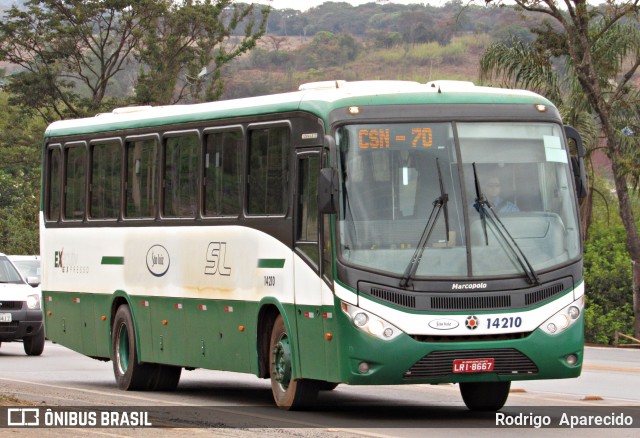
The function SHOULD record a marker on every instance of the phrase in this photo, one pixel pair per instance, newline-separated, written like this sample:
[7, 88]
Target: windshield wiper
[486, 211]
[439, 204]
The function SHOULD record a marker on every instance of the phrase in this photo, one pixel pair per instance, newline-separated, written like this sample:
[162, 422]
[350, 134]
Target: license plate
[5, 317]
[473, 365]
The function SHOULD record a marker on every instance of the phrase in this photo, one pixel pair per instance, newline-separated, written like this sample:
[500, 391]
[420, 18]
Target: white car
[28, 265]
[20, 309]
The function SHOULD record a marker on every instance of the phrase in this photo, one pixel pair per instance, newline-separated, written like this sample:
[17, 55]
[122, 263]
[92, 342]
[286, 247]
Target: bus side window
[142, 179]
[106, 170]
[75, 181]
[54, 187]
[181, 176]
[268, 167]
[222, 173]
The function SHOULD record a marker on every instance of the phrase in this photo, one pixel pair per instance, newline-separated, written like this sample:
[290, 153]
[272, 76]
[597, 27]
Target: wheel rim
[282, 362]
[122, 349]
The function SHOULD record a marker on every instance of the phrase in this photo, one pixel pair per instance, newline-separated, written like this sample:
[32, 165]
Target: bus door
[308, 282]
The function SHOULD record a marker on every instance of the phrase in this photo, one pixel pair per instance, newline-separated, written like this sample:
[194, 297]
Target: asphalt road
[231, 404]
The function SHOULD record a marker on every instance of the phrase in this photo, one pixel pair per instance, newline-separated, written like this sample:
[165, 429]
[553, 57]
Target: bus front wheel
[130, 374]
[485, 396]
[288, 393]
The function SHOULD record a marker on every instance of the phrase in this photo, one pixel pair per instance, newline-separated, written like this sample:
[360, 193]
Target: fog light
[388, 333]
[360, 319]
[571, 359]
[551, 327]
[363, 368]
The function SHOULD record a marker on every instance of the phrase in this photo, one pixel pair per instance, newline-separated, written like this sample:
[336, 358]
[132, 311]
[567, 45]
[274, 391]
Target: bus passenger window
[142, 158]
[222, 170]
[181, 175]
[54, 187]
[106, 169]
[76, 159]
[268, 167]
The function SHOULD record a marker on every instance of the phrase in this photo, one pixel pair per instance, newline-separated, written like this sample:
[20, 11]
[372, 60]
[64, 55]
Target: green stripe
[271, 263]
[112, 260]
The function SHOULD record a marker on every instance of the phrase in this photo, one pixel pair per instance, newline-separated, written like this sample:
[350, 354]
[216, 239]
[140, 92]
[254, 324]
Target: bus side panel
[72, 320]
[203, 334]
[210, 334]
[60, 314]
[168, 331]
[232, 346]
[102, 325]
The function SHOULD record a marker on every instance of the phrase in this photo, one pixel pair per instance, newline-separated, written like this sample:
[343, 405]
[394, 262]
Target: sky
[303, 5]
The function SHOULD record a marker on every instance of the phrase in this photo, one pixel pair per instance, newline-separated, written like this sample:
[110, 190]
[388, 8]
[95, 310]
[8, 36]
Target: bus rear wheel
[130, 374]
[288, 393]
[485, 396]
[165, 377]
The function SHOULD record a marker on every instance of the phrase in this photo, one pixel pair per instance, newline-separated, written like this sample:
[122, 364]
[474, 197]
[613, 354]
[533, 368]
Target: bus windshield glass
[509, 203]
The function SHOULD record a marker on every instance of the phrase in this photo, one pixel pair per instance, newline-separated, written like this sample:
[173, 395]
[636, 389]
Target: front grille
[470, 338]
[10, 305]
[398, 298]
[445, 300]
[440, 363]
[8, 327]
[542, 294]
[471, 302]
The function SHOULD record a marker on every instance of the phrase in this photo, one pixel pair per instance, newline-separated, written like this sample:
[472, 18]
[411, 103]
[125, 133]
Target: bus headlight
[33, 302]
[563, 319]
[370, 323]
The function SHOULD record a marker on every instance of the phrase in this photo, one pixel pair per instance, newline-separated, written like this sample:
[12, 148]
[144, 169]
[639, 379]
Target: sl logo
[216, 263]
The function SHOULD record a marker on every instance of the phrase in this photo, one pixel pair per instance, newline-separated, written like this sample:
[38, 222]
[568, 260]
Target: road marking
[608, 368]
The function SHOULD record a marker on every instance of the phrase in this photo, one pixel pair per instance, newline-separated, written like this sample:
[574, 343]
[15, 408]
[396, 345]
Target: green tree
[600, 47]
[70, 51]
[182, 55]
[20, 139]
[327, 49]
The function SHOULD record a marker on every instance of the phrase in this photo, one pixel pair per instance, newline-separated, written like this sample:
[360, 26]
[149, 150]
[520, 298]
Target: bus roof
[319, 98]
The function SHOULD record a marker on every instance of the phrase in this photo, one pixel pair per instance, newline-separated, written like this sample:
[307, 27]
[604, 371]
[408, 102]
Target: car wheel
[34, 345]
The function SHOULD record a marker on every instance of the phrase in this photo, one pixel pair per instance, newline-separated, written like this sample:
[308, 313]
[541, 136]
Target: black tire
[288, 393]
[485, 396]
[34, 345]
[130, 374]
[165, 377]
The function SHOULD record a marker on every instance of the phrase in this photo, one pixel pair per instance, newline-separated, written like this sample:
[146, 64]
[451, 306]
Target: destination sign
[398, 137]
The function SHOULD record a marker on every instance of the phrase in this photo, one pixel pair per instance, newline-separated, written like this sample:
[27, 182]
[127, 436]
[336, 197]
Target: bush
[600, 326]
[608, 276]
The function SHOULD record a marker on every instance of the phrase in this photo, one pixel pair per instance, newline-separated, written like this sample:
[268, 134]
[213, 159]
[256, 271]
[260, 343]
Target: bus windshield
[509, 209]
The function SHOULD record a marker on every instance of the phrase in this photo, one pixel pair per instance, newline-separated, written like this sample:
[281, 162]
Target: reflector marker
[228, 308]
[145, 303]
[76, 300]
[202, 307]
[177, 306]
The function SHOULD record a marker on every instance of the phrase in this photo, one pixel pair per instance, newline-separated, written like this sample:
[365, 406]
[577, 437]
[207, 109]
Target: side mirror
[577, 162]
[328, 191]
[33, 281]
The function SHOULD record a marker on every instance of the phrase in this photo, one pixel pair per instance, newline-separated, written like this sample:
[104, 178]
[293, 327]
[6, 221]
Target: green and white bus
[348, 232]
